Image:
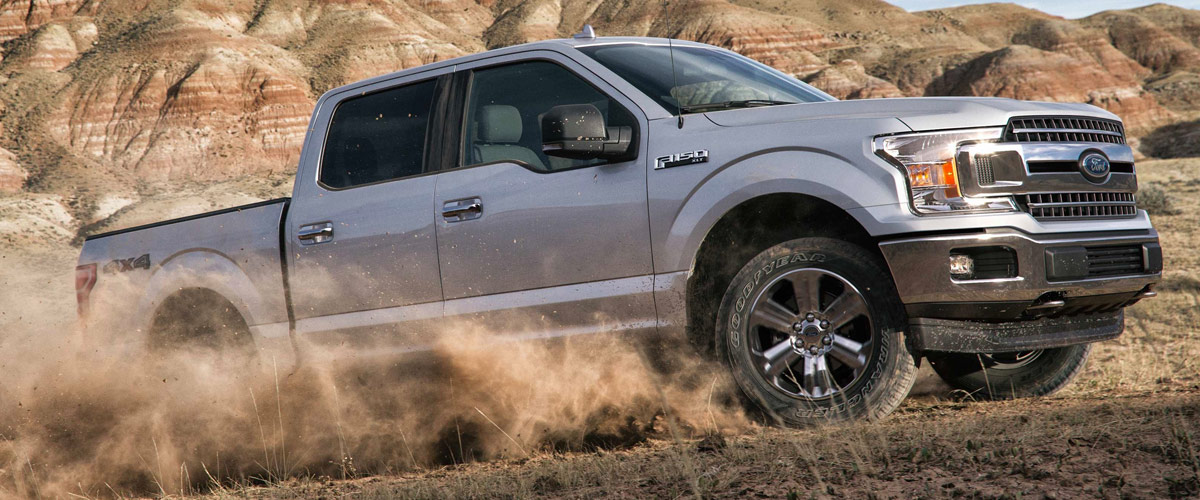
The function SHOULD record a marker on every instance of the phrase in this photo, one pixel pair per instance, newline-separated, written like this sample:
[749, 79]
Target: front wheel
[1011, 375]
[812, 330]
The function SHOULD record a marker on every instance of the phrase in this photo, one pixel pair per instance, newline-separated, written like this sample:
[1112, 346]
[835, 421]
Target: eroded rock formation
[105, 97]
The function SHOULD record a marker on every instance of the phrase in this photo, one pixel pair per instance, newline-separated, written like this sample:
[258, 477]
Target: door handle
[312, 234]
[461, 210]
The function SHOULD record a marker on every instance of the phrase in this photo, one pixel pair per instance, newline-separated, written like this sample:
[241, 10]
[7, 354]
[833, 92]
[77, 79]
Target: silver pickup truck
[819, 248]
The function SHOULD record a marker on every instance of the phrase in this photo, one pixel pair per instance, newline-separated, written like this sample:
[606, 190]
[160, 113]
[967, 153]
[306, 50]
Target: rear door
[535, 244]
[363, 254]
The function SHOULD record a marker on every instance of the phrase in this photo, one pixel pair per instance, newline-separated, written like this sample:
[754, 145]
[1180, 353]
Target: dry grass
[1139, 446]
[1161, 346]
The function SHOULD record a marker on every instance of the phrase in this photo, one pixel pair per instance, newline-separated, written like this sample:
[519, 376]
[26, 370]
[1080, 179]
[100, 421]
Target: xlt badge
[680, 159]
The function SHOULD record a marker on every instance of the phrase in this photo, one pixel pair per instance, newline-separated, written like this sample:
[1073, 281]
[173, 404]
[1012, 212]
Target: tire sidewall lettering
[741, 316]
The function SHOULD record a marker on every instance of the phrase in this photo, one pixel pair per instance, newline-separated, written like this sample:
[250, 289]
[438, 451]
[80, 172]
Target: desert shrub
[1177, 140]
[1157, 201]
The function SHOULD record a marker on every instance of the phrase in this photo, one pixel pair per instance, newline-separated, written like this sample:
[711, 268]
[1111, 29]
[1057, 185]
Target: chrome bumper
[920, 267]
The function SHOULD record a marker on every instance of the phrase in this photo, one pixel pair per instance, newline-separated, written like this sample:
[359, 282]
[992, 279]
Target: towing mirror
[577, 131]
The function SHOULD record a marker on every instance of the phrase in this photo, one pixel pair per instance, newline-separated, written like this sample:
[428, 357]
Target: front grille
[1114, 260]
[1063, 206]
[1064, 129]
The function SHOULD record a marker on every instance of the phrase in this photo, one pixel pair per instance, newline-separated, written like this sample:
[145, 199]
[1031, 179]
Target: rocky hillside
[103, 102]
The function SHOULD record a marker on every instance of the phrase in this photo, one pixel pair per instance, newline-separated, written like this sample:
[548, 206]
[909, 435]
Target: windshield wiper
[745, 103]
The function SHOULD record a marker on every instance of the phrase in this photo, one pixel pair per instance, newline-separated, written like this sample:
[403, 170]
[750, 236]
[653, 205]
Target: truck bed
[235, 251]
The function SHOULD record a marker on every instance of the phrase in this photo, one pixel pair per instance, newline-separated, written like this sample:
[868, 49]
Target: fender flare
[804, 171]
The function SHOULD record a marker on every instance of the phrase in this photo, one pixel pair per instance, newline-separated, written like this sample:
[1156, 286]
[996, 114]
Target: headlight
[928, 160]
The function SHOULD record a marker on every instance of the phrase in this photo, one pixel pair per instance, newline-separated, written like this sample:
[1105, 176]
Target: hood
[919, 113]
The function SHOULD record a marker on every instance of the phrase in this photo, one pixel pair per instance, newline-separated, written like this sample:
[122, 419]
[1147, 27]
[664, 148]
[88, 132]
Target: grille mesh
[1064, 129]
[1056, 206]
[983, 170]
[1114, 260]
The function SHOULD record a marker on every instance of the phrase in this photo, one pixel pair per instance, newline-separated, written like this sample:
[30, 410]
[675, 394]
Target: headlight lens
[928, 160]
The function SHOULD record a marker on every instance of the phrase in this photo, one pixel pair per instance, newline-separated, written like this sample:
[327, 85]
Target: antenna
[671, 52]
[586, 34]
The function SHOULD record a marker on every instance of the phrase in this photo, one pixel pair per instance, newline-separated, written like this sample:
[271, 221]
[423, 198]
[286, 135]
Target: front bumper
[1053, 276]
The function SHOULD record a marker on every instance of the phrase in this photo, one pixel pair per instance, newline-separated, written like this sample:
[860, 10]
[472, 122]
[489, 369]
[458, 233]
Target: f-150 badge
[680, 159]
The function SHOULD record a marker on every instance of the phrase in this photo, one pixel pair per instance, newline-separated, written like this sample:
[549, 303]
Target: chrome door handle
[312, 234]
[461, 210]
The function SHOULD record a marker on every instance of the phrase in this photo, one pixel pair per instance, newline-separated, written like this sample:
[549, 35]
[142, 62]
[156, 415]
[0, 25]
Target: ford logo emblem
[1095, 166]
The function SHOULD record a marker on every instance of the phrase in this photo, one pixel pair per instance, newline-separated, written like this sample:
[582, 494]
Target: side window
[505, 108]
[378, 137]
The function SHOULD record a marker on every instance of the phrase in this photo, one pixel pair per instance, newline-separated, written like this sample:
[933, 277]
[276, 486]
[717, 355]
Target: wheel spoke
[846, 307]
[807, 288]
[792, 371]
[772, 315]
[849, 352]
[779, 358]
[816, 376]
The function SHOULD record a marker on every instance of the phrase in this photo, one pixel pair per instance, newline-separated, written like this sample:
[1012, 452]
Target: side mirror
[577, 131]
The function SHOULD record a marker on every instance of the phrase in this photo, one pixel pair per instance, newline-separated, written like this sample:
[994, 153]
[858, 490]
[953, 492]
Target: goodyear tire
[812, 331]
[1011, 375]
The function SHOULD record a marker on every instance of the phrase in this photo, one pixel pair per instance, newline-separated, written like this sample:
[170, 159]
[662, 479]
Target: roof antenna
[586, 34]
[671, 52]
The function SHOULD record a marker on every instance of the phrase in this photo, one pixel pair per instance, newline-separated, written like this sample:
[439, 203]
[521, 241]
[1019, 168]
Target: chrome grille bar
[1065, 206]
[1064, 129]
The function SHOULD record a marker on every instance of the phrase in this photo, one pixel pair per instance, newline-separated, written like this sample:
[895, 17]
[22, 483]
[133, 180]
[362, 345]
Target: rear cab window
[378, 137]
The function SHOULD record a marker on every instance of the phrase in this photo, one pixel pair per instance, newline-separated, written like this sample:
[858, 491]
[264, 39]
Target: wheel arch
[729, 243]
[200, 269]
[810, 173]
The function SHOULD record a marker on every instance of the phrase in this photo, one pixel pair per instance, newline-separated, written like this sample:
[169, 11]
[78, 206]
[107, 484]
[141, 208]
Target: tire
[863, 370]
[199, 320]
[1011, 375]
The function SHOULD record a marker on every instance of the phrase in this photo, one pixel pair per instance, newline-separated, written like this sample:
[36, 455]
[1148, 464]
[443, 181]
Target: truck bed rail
[187, 218]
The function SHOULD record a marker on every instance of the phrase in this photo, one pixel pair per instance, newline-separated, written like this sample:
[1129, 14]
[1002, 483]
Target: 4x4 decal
[126, 265]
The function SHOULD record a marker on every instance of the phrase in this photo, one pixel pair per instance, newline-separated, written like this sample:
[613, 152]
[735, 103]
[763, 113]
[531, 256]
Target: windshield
[704, 80]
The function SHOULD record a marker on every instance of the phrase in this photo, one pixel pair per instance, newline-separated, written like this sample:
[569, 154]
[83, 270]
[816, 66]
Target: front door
[530, 243]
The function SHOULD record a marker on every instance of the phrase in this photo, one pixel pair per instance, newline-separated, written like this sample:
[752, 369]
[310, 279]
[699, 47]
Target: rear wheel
[196, 319]
[1012, 374]
[812, 329]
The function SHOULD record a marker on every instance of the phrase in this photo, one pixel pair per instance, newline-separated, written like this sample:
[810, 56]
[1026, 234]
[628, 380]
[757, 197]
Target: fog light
[962, 266]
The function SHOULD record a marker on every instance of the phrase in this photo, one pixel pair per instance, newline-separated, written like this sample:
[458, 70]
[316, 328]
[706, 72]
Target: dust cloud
[78, 419]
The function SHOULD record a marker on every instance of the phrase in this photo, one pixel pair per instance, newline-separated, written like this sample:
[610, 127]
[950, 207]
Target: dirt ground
[1117, 446]
[1127, 428]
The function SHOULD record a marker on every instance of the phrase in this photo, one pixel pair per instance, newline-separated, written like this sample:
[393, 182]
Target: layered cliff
[102, 99]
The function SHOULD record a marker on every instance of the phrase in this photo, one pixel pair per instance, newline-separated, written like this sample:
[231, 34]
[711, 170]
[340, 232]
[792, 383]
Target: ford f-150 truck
[819, 248]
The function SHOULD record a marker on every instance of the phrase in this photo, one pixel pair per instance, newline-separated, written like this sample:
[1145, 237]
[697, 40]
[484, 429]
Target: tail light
[85, 280]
